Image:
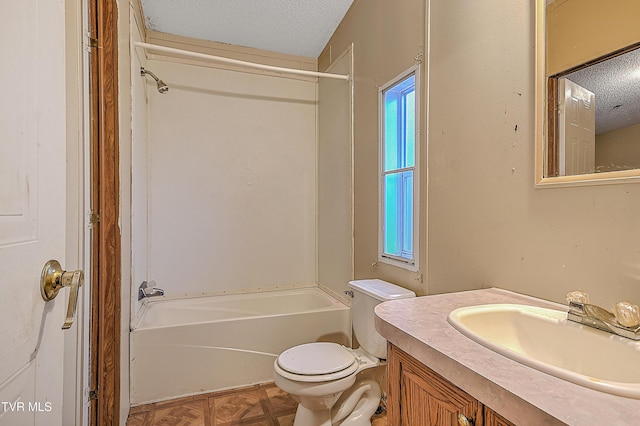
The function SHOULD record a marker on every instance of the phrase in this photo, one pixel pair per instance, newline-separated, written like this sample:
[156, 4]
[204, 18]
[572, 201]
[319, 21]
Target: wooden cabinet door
[491, 418]
[420, 397]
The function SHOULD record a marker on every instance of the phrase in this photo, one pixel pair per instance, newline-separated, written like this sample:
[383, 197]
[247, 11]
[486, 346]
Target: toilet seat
[316, 362]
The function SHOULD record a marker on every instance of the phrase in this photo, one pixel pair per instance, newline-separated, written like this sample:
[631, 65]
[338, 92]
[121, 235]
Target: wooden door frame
[105, 190]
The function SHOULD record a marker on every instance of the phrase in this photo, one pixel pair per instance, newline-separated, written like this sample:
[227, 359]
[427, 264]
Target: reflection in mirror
[598, 117]
[587, 91]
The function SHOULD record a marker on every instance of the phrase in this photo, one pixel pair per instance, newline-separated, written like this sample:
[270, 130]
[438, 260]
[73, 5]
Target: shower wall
[141, 87]
[232, 180]
[335, 177]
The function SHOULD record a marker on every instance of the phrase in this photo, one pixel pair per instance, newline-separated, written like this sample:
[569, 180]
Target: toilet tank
[366, 295]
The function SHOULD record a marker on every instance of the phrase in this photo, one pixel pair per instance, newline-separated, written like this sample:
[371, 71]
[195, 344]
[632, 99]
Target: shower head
[162, 87]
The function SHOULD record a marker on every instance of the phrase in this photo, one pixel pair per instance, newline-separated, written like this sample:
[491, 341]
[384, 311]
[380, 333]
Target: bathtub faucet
[149, 289]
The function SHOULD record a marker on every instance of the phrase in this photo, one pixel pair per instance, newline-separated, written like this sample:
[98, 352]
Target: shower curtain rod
[237, 62]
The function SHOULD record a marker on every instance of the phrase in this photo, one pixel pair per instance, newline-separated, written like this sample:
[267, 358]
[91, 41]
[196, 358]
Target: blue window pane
[399, 152]
[391, 157]
[407, 215]
[391, 214]
[398, 214]
[399, 125]
[410, 128]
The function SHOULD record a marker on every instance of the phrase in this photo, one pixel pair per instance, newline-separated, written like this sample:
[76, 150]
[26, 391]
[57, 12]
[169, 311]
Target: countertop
[521, 394]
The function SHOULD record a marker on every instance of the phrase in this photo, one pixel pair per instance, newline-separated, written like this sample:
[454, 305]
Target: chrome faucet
[582, 312]
[148, 289]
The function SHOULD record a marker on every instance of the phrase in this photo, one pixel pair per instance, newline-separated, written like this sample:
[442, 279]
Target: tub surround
[519, 393]
[190, 346]
[232, 182]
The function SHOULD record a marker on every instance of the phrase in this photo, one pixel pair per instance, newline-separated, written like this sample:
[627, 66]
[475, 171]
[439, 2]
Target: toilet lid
[318, 358]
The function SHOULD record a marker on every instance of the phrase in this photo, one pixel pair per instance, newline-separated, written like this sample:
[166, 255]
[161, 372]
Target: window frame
[402, 262]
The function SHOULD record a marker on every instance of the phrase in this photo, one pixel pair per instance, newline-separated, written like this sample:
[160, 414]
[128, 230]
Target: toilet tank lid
[381, 290]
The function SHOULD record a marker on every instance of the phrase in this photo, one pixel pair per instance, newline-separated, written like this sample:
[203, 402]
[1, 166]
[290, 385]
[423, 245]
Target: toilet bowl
[329, 380]
[317, 376]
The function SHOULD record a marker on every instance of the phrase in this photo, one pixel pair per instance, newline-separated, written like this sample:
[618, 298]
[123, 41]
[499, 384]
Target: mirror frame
[541, 123]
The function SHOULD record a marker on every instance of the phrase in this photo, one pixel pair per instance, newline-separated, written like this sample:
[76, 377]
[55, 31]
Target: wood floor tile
[136, 419]
[281, 402]
[237, 408]
[259, 405]
[187, 414]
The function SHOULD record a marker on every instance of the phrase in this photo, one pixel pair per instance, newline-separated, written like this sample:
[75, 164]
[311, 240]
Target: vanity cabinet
[420, 397]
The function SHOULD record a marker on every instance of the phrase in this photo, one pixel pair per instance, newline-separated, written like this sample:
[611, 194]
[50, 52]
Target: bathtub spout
[148, 289]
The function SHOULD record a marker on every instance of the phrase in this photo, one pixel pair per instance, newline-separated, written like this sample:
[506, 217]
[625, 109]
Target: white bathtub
[188, 346]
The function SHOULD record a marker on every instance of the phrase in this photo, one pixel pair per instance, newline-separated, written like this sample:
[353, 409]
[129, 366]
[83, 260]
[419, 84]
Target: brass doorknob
[464, 420]
[53, 278]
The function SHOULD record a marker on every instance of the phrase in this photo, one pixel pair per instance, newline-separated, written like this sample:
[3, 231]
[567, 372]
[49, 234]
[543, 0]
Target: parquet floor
[261, 405]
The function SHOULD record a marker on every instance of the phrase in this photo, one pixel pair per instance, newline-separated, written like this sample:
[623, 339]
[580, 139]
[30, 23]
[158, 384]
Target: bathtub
[188, 346]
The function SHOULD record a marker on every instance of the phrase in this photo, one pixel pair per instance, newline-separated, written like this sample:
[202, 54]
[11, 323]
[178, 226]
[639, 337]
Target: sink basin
[545, 340]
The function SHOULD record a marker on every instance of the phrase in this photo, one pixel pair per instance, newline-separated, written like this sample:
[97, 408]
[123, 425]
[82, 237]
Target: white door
[32, 209]
[577, 129]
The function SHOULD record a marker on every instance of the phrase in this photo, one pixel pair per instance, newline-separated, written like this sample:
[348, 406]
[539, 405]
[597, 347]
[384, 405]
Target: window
[398, 171]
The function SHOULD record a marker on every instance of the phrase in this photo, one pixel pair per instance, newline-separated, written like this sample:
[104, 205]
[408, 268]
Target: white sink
[545, 340]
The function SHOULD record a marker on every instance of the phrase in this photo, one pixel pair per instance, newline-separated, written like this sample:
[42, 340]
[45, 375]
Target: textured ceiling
[616, 85]
[297, 27]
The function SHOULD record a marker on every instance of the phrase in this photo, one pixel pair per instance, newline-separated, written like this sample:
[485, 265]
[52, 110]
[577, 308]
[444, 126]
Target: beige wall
[579, 31]
[487, 224]
[386, 38]
[618, 150]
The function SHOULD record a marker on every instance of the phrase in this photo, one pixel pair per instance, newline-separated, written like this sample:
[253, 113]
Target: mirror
[587, 91]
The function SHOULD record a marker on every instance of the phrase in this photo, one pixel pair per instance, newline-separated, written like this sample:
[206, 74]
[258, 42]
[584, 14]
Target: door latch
[53, 278]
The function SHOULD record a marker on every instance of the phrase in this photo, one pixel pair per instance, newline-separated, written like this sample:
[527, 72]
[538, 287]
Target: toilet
[328, 380]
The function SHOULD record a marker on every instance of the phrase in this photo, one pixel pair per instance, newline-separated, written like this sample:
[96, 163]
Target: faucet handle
[577, 296]
[143, 290]
[149, 289]
[627, 314]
